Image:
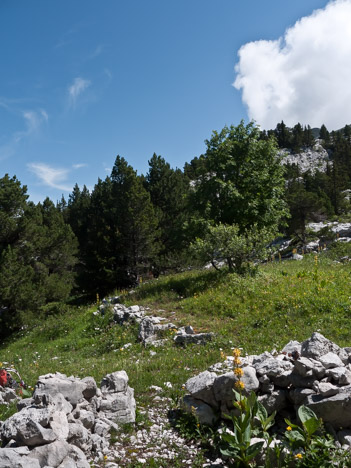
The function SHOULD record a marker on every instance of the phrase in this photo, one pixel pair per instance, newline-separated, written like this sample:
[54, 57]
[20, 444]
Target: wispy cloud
[96, 52]
[51, 176]
[76, 89]
[33, 121]
[108, 73]
[54, 177]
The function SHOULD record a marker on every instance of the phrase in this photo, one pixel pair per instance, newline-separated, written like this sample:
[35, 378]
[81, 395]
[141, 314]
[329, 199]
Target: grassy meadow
[282, 302]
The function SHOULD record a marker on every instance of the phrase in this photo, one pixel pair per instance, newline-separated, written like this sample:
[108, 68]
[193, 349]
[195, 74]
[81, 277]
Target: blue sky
[82, 81]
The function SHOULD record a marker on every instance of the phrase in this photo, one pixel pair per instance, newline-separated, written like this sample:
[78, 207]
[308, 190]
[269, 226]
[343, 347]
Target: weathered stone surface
[59, 425]
[198, 338]
[9, 395]
[326, 389]
[317, 346]
[297, 381]
[9, 428]
[224, 384]
[120, 406]
[335, 410]
[87, 418]
[91, 387]
[339, 375]
[201, 387]
[273, 367]
[115, 382]
[52, 399]
[101, 428]
[31, 433]
[291, 347]
[258, 359]
[330, 360]
[282, 380]
[79, 436]
[50, 455]
[276, 401]
[70, 387]
[204, 412]
[299, 395]
[16, 458]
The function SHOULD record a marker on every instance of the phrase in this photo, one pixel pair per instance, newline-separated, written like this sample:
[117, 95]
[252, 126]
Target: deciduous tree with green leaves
[241, 181]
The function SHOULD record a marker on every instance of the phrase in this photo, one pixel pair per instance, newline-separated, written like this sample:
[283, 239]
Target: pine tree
[167, 188]
[37, 255]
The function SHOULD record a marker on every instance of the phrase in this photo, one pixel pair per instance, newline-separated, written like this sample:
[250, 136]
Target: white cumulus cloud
[76, 89]
[51, 176]
[301, 77]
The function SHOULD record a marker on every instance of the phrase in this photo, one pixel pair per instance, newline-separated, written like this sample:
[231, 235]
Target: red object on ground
[3, 378]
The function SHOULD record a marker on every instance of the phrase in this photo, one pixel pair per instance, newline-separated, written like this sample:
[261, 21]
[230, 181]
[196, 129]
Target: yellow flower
[237, 361]
[288, 428]
[236, 352]
[238, 371]
[223, 356]
[239, 385]
[298, 455]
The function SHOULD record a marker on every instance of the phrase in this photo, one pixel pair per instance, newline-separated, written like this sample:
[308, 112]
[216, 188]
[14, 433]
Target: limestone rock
[16, 458]
[273, 367]
[31, 433]
[317, 346]
[188, 338]
[120, 406]
[115, 382]
[203, 411]
[330, 360]
[71, 388]
[224, 384]
[50, 455]
[335, 410]
[201, 387]
[276, 401]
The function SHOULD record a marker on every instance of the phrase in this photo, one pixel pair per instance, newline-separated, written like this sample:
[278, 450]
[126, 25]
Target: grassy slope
[283, 302]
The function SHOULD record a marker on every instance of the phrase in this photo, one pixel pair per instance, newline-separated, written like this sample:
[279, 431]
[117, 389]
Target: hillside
[285, 301]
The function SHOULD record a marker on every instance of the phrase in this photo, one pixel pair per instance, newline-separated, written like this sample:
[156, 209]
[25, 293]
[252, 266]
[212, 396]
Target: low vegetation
[282, 301]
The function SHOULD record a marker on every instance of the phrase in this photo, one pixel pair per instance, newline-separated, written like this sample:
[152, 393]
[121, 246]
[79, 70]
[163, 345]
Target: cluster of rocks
[67, 421]
[341, 230]
[315, 373]
[152, 329]
[310, 159]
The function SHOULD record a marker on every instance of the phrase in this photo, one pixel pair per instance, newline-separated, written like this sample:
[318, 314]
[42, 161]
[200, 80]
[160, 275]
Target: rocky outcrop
[152, 329]
[310, 159]
[315, 373]
[66, 421]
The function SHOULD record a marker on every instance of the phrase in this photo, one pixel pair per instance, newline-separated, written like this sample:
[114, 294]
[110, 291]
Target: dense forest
[228, 203]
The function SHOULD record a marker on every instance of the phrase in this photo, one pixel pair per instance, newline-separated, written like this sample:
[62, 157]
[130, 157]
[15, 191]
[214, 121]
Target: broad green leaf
[253, 450]
[306, 413]
[312, 425]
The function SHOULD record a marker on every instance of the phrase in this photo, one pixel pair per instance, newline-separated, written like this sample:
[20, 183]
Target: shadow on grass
[182, 285]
